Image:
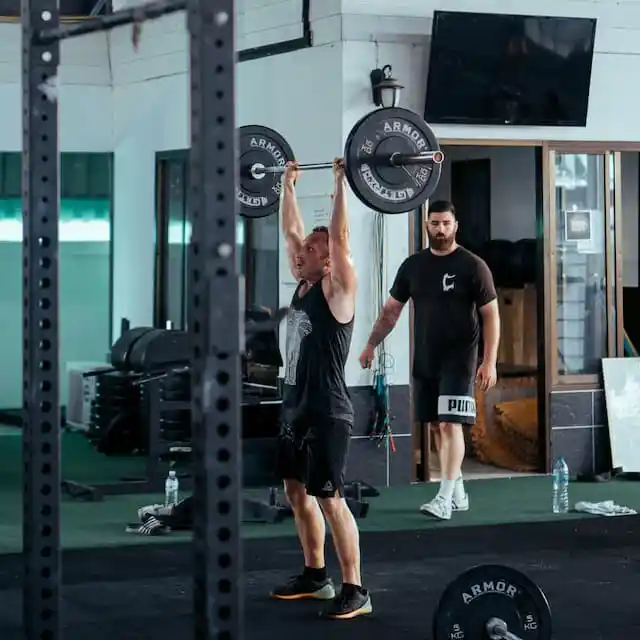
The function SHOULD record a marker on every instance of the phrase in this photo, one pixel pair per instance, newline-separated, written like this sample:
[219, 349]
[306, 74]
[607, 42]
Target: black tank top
[315, 388]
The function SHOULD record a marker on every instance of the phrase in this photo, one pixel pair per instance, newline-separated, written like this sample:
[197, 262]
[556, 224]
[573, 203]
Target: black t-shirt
[315, 388]
[447, 292]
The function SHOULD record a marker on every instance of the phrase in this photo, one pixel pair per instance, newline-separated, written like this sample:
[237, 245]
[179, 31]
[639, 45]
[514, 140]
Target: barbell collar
[408, 159]
[497, 629]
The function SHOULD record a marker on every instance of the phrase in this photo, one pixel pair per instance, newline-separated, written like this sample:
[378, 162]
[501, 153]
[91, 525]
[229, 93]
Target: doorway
[497, 192]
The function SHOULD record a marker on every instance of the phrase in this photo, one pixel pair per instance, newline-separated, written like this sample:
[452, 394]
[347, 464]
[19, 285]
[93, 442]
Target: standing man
[450, 287]
[317, 411]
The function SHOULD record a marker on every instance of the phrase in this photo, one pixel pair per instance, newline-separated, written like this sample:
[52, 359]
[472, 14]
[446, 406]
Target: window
[257, 247]
[84, 265]
[581, 262]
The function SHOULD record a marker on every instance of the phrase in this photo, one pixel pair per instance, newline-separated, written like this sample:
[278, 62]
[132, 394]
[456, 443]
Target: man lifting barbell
[317, 413]
[449, 286]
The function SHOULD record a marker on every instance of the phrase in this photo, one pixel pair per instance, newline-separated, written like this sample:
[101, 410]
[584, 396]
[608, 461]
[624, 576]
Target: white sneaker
[439, 507]
[460, 503]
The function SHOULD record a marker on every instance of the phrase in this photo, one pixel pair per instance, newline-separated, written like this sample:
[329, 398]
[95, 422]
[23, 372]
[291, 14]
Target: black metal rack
[215, 315]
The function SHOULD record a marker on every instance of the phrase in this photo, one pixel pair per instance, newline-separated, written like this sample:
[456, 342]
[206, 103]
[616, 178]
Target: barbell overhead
[492, 602]
[395, 160]
[392, 163]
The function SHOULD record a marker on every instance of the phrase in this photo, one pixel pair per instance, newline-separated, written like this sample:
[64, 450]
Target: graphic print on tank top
[298, 328]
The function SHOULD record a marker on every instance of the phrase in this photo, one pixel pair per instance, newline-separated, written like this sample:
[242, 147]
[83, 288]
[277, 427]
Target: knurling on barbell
[489, 602]
[392, 163]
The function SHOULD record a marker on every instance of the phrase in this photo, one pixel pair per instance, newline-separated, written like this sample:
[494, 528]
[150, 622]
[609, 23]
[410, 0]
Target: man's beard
[440, 243]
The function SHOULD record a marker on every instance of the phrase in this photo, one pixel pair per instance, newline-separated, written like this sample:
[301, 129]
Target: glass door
[582, 266]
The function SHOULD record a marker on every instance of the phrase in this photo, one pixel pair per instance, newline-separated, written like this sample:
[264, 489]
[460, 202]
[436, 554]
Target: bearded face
[441, 229]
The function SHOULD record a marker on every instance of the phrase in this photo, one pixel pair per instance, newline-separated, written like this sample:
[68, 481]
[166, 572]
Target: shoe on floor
[460, 503]
[157, 510]
[348, 604]
[439, 508]
[303, 588]
[150, 526]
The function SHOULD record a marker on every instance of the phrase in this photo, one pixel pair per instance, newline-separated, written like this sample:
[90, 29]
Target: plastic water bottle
[171, 487]
[560, 486]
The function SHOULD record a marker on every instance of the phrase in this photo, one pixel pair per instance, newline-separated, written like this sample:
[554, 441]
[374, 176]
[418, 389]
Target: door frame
[546, 264]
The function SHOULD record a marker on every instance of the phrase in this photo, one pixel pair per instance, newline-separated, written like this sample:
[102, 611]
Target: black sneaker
[349, 604]
[301, 587]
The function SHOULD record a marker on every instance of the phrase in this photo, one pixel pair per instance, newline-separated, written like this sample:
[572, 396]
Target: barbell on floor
[492, 602]
[391, 156]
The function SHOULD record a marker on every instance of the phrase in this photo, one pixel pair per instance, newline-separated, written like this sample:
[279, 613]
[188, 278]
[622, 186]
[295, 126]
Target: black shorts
[315, 455]
[449, 397]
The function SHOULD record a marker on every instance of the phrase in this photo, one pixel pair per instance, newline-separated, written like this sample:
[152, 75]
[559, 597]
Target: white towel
[606, 508]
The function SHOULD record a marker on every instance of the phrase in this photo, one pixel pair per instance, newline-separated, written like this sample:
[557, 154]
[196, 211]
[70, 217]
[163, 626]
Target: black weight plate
[492, 591]
[260, 196]
[373, 139]
[138, 356]
[122, 346]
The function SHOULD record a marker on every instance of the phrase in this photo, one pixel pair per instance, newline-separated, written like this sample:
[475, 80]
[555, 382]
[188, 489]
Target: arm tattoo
[384, 325]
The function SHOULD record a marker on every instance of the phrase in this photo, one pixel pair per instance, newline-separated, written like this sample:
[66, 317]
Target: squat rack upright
[214, 313]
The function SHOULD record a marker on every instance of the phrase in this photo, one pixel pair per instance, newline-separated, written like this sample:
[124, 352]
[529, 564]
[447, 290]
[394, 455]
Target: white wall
[614, 100]
[85, 106]
[291, 93]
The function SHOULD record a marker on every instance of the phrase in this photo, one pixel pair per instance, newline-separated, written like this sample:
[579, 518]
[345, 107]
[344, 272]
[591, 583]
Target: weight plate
[370, 144]
[260, 146]
[492, 591]
[122, 346]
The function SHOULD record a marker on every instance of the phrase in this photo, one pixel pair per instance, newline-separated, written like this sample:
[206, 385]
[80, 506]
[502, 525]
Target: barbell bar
[392, 162]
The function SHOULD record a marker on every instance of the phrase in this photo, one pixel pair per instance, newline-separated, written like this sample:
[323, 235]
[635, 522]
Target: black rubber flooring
[592, 582]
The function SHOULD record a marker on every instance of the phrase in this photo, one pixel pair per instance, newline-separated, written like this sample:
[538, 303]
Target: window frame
[613, 258]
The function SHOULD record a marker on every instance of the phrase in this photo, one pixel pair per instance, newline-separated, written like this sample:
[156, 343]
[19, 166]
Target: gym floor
[139, 588]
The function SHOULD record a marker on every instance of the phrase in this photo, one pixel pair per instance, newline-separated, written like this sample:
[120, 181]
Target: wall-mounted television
[494, 69]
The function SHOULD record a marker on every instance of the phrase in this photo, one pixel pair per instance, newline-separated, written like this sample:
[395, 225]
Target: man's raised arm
[292, 225]
[343, 274]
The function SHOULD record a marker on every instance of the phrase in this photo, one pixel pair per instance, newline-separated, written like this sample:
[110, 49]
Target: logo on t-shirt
[447, 282]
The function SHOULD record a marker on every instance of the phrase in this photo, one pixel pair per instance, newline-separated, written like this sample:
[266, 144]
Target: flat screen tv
[492, 69]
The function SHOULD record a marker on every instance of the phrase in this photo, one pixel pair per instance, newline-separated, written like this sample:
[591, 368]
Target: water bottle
[171, 487]
[560, 486]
